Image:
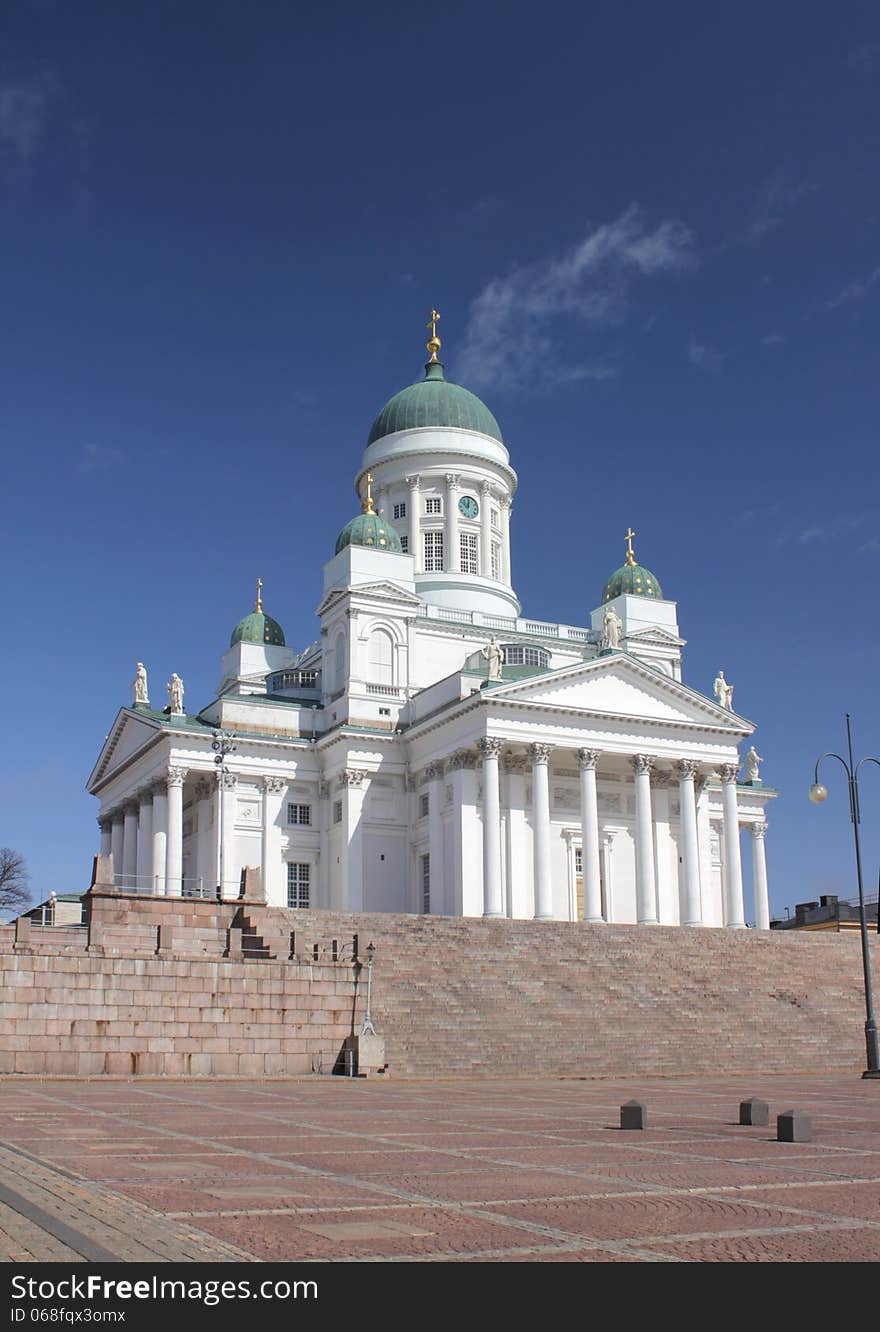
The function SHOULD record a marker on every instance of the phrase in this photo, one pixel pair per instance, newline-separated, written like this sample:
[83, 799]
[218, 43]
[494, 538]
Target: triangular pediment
[129, 734]
[619, 685]
[655, 636]
[381, 591]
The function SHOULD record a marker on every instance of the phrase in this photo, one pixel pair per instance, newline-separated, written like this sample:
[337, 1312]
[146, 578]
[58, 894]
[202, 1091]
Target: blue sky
[653, 233]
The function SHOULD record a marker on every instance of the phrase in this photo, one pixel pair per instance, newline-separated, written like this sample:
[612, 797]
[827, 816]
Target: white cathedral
[435, 751]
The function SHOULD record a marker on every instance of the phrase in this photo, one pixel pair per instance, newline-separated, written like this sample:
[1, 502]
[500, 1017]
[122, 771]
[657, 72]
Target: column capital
[540, 754]
[687, 769]
[489, 746]
[758, 830]
[412, 482]
[226, 780]
[274, 785]
[352, 776]
[176, 776]
[642, 764]
[452, 480]
[104, 822]
[464, 758]
[434, 770]
[505, 502]
[728, 772]
[487, 489]
[145, 795]
[588, 759]
[130, 805]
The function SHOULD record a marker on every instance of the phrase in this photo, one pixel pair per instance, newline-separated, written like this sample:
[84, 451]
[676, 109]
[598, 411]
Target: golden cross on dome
[630, 557]
[434, 341]
[259, 605]
[368, 502]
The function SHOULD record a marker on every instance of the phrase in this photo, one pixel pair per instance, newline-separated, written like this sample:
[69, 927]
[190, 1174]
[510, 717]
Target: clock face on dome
[468, 506]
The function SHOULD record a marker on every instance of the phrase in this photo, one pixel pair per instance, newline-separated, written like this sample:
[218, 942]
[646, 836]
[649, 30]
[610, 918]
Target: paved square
[332, 1170]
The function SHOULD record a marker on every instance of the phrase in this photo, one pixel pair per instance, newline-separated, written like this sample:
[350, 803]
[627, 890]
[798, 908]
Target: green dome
[258, 628]
[633, 579]
[369, 529]
[434, 402]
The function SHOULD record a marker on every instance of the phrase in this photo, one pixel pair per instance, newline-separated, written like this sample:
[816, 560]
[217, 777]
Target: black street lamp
[818, 793]
[223, 744]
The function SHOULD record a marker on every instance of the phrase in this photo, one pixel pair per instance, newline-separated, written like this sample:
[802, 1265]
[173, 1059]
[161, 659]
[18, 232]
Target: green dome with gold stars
[258, 627]
[369, 529]
[631, 579]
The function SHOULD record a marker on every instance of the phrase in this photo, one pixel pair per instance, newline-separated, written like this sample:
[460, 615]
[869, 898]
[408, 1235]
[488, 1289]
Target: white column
[759, 875]
[117, 839]
[452, 557]
[733, 882]
[105, 826]
[646, 890]
[174, 856]
[415, 526]
[274, 892]
[690, 847]
[541, 829]
[486, 502]
[145, 842]
[354, 793]
[325, 871]
[130, 845]
[505, 506]
[203, 820]
[520, 889]
[435, 773]
[160, 836]
[493, 900]
[226, 875]
[588, 758]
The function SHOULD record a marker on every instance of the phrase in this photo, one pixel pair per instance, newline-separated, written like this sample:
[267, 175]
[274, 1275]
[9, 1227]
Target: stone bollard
[794, 1126]
[633, 1115]
[754, 1111]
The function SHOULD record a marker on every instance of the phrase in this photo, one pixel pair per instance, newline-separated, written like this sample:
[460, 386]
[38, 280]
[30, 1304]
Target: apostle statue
[175, 694]
[723, 692]
[494, 654]
[753, 762]
[611, 627]
[139, 685]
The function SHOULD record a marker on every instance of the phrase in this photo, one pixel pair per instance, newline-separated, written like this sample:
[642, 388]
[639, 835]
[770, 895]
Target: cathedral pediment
[383, 591]
[655, 637]
[620, 686]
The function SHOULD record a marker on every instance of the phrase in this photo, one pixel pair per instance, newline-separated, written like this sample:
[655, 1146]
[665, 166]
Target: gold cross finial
[259, 605]
[433, 341]
[368, 502]
[630, 557]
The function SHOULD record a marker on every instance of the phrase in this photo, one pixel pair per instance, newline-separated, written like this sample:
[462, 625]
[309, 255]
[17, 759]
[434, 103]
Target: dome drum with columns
[434, 750]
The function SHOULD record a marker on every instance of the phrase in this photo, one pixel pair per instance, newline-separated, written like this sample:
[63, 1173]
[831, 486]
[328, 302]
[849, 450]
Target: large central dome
[433, 401]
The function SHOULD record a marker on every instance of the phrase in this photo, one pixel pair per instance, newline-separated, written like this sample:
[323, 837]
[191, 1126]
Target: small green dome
[433, 401]
[258, 628]
[634, 580]
[369, 529]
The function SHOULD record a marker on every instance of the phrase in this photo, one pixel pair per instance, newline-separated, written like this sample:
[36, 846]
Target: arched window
[379, 658]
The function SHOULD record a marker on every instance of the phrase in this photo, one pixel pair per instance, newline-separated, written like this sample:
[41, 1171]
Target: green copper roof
[258, 628]
[369, 529]
[633, 579]
[433, 401]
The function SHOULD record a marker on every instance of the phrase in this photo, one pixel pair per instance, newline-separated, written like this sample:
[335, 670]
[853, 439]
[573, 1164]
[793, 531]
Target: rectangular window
[300, 814]
[432, 506]
[404, 544]
[433, 552]
[496, 561]
[400, 511]
[423, 806]
[578, 860]
[496, 521]
[337, 811]
[426, 884]
[298, 876]
[469, 552]
[384, 712]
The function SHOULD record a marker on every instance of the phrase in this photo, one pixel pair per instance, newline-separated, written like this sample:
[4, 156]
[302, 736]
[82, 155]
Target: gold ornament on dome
[433, 342]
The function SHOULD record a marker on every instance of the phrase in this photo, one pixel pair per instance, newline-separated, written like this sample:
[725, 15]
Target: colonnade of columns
[144, 835]
[489, 499]
[643, 765]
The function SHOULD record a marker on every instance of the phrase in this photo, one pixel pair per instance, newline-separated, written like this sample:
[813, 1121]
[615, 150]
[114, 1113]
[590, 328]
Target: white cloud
[24, 107]
[775, 197]
[514, 334]
[854, 291]
[99, 458]
[705, 357]
[832, 529]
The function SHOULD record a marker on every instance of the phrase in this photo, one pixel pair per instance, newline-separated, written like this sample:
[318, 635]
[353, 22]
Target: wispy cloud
[836, 527]
[773, 339]
[762, 513]
[705, 357]
[854, 291]
[99, 458]
[515, 330]
[25, 104]
[776, 196]
[870, 547]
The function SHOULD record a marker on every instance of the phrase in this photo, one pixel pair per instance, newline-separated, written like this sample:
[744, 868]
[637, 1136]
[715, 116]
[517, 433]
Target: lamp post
[368, 1017]
[222, 744]
[818, 793]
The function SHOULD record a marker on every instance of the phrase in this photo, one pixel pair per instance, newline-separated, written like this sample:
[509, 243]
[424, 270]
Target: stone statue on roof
[723, 692]
[175, 694]
[139, 685]
[611, 627]
[494, 654]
